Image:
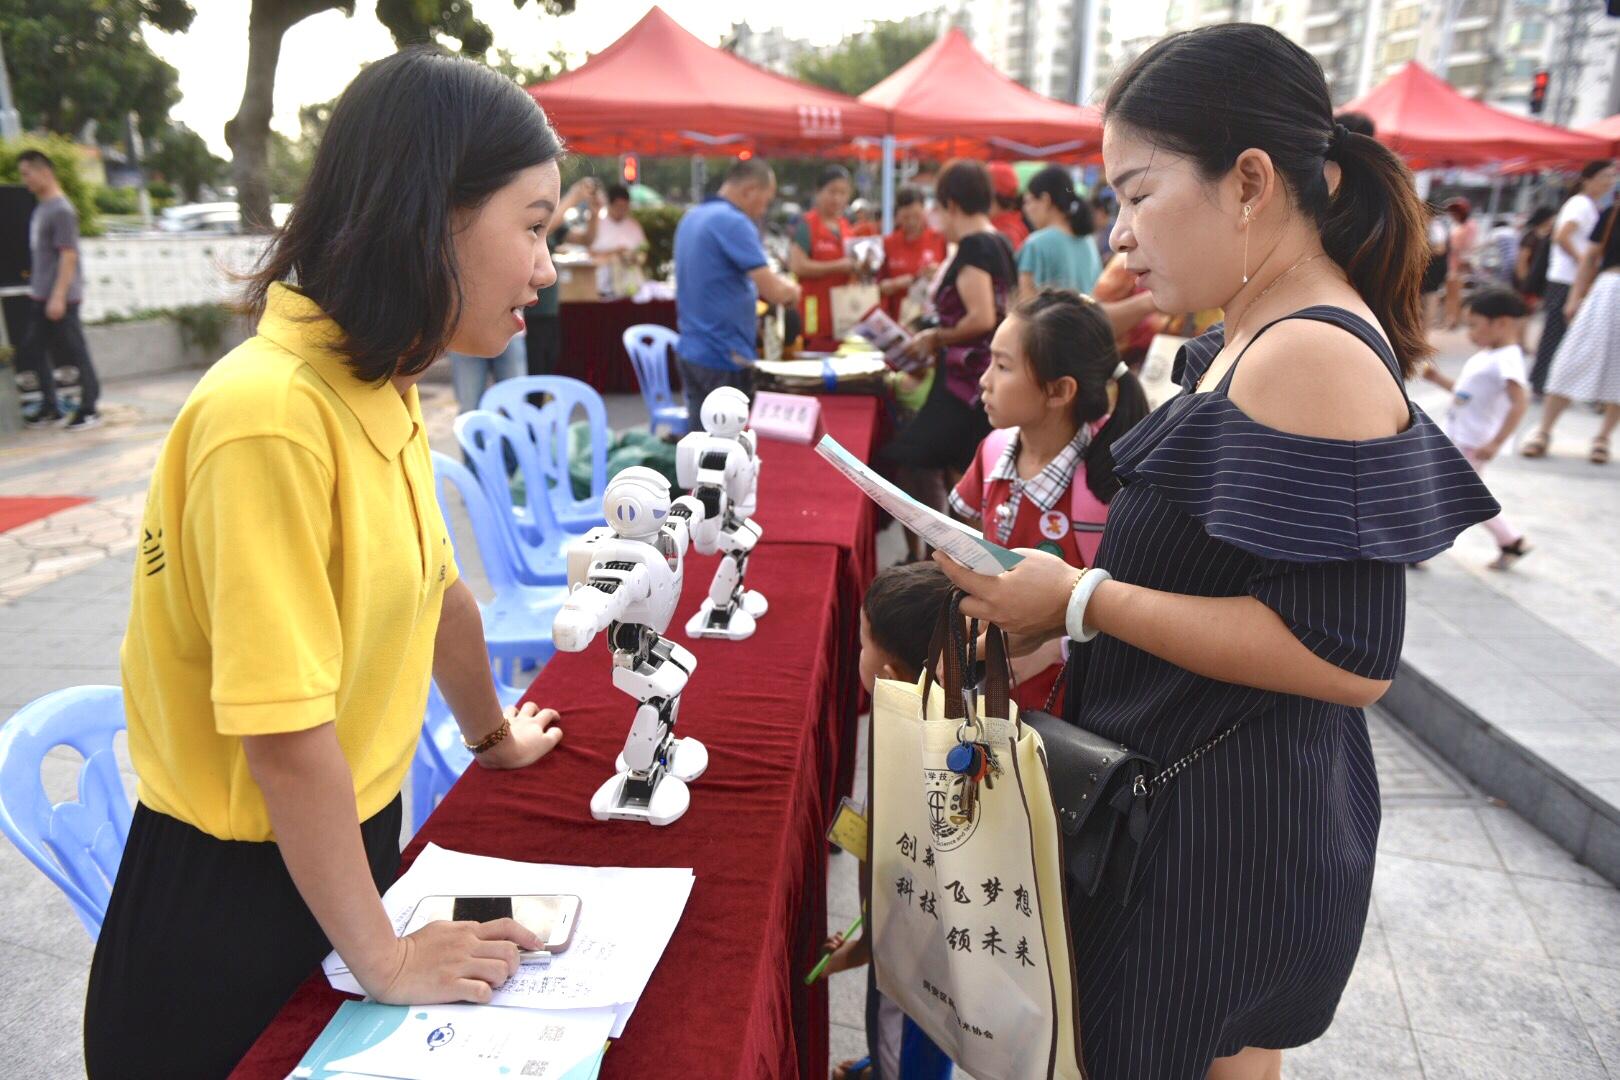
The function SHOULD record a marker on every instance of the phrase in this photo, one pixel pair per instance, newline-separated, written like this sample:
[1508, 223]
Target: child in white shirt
[1489, 397]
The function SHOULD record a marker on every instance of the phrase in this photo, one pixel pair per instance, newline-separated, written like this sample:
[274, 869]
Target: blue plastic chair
[78, 845]
[517, 622]
[532, 539]
[650, 346]
[441, 756]
[548, 427]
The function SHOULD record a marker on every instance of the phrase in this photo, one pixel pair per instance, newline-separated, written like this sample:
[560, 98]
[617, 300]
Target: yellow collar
[296, 323]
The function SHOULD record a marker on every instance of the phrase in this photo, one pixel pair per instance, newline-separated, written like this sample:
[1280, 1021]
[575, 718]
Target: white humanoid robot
[720, 467]
[626, 579]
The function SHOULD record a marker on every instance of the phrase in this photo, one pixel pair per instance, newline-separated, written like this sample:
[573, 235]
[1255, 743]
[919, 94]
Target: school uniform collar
[296, 323]
[1045, 489]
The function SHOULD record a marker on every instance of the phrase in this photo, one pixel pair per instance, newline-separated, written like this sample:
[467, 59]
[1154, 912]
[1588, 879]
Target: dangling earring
[1247, 213]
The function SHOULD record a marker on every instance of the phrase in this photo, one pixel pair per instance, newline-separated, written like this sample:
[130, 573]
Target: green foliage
[203, 325]
[289, 166]
[556, 63]
[863, 60]
[183, 160]
[64, 157]
[74, 61]
[117, 201]
[413, 22]
[659, 222]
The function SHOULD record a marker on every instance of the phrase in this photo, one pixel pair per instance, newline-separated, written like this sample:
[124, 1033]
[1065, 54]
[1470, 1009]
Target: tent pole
[888, 184]
[1496, 198]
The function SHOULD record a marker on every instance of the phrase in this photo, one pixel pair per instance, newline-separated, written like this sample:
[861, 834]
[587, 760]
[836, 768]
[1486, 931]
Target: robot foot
[755, 603]
[657, 800]
[688, 759]
[712, 623]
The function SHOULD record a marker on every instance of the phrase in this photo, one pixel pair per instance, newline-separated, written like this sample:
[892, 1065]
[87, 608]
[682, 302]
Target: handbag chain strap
[1144, 785]
[1148, 785]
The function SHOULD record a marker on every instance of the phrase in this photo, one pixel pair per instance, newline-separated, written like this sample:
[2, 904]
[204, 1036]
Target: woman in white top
[1575, 221]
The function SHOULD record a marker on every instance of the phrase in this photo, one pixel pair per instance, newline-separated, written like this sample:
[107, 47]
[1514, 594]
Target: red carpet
[20, 510]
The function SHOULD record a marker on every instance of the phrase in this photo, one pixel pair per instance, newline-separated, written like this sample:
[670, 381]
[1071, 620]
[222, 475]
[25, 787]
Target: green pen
[815, 972]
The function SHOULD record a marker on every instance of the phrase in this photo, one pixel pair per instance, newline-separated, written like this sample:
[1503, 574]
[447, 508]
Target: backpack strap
[990, 451]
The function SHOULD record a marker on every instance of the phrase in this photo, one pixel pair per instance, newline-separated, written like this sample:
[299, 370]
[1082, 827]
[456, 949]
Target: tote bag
[970, 929]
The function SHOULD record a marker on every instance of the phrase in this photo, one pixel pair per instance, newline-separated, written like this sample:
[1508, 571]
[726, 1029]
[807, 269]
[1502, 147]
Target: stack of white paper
[626, 918]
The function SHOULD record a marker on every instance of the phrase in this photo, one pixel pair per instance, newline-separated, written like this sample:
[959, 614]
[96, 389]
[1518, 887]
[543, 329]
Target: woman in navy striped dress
[1257, 553]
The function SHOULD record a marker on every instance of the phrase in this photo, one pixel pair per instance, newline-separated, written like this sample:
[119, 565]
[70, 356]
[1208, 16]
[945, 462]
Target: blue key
[962, 759]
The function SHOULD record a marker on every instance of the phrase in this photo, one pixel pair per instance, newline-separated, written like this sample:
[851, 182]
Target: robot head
[725, 412]
[636, 502]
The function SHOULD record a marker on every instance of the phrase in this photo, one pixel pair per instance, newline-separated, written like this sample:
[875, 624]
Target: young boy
[1490, 396]
[897, 624]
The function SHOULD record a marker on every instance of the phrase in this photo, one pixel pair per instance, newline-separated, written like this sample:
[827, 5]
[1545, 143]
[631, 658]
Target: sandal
[1510, 554]
[1600, 451]
[1535, 446]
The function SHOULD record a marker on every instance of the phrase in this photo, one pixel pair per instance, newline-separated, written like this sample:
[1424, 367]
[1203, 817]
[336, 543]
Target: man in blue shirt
[720, 272]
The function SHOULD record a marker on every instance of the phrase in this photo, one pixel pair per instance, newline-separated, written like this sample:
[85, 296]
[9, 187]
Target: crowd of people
[1182, 591]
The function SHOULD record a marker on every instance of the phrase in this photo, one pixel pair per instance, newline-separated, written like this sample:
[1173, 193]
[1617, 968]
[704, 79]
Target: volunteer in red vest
[1008, 215]
[1057, 396]
[913, 250]
[818, 259]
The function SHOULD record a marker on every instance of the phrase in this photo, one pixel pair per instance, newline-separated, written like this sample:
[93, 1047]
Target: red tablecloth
[593, 340]
[727, 999]
[802, 499]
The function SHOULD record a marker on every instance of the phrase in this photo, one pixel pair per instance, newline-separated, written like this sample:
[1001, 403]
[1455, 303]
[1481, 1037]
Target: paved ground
[1490, 953]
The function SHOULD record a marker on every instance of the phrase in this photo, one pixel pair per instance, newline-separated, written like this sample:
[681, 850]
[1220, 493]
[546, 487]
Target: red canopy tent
[948, 100]
[1607, 130]
[1424, 119]
[659, 90]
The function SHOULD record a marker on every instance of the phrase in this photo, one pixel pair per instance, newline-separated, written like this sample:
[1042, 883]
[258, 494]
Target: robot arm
[686, 516]
[601, 600]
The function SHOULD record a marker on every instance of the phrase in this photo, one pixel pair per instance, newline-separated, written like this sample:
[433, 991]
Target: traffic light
[629, 169]
[1538, 92]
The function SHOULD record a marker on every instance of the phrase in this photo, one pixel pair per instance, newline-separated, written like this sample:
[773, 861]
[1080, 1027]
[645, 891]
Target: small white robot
[625, 579]
[720, 467]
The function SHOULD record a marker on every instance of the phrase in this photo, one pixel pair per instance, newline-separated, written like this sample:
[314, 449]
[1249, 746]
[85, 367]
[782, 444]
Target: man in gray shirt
[56, 287]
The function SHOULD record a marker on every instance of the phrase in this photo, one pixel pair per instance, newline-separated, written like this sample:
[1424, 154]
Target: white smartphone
[551, 918]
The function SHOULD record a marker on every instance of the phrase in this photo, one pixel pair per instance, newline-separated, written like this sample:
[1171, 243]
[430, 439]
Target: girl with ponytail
[1058, 398]
[1248, 599]
[1060, 253]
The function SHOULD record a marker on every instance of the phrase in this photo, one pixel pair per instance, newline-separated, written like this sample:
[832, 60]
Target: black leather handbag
[1103, 790]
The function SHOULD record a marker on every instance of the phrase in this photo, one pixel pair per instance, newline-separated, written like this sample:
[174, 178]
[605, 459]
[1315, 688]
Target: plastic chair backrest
[489, 532]
[441, 756]
[510, 396]
[77, 844]
[649, 346]
[486, 438]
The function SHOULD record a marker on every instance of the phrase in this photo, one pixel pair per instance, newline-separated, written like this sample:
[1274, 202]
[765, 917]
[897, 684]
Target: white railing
[127, 274]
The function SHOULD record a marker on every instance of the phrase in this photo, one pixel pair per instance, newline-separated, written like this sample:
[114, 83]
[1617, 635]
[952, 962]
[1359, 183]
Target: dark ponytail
[1055, 183]
[1215, 92]
[1066, 335]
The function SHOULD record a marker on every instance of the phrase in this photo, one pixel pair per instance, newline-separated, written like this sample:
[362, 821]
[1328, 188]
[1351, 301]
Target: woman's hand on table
[447, 962]
[534, 735]
[1029, 601]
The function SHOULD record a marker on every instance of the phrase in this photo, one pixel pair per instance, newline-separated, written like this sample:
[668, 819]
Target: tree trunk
[248, 134]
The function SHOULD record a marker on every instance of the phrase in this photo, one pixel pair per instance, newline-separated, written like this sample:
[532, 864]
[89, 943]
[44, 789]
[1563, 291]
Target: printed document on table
[967, 546]
[627, 916]
[457, 1042]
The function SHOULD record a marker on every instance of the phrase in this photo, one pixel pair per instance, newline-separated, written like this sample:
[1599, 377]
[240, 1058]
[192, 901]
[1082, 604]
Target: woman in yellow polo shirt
[296, 589]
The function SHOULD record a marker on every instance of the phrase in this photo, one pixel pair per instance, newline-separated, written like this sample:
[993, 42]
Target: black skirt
[945, 433]
[204, 941]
